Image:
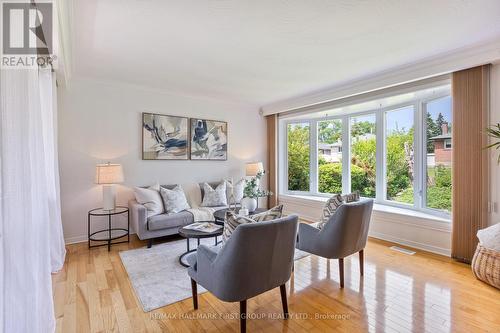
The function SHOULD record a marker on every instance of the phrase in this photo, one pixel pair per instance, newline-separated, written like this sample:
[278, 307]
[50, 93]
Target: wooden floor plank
[398, 293]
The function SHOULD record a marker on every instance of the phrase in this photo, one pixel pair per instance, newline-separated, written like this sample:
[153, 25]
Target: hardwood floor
[398, 293]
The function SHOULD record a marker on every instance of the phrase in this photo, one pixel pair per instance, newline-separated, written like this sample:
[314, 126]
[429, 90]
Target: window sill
[376, 207]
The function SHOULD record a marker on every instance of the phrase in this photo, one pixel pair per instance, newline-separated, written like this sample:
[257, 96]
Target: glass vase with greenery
[252, 189]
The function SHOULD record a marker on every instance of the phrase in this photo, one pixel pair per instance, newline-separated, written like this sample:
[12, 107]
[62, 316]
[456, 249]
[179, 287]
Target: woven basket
[486, 266]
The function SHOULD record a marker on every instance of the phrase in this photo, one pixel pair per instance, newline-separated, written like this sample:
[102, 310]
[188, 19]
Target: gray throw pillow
[174, 200]
[214, 197]
[329, 209]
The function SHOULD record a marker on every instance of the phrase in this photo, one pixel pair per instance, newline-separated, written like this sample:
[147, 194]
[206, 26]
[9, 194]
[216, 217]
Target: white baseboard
[81, 239]
[413, 244]
[76, 239]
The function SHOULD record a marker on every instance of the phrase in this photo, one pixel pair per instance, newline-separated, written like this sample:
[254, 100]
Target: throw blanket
[202, 214]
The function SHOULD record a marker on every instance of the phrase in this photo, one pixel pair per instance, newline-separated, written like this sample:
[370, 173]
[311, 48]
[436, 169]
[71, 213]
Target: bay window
[396, 150]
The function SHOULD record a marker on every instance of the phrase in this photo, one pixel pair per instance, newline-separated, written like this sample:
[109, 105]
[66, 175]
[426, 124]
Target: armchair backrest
[256, 258]
[346, 231]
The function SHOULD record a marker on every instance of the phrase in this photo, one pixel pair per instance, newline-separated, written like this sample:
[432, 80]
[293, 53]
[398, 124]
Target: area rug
[157, 277]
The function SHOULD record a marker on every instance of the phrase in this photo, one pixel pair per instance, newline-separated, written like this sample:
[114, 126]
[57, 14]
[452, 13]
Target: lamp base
[108, 197]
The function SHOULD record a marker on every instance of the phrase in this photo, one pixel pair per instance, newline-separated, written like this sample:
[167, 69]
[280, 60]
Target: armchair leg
[194, 289]
[243, 316]
[150, 243]
[284, 301]
[361, 262]
[341, 272]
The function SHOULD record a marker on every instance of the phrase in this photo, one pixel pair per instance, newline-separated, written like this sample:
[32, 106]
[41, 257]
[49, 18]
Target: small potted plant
[494, 132]
[252, 192]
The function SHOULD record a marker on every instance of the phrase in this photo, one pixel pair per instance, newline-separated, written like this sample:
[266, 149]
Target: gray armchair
[344, 234]
[257, 257]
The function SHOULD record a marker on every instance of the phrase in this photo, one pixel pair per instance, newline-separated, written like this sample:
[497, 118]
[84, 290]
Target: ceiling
[262, 51]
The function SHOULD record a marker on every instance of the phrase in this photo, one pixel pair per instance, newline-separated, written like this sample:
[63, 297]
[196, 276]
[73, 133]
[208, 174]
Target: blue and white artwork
[164, 137]
[208, 140]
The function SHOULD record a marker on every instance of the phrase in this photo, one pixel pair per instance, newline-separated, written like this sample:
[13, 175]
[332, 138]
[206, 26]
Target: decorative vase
[249, 203]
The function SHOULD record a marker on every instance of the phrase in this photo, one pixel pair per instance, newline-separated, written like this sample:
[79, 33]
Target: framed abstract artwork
[164, 137]
[208, 139]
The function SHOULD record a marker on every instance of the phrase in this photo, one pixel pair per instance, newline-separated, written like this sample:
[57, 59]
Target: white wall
[100, 122]
[494, 167]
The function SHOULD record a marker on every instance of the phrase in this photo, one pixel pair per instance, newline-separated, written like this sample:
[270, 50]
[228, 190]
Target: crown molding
[471, 56]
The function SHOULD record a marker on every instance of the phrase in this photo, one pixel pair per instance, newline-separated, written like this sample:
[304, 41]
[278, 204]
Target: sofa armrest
[138, 217]
[308, 236]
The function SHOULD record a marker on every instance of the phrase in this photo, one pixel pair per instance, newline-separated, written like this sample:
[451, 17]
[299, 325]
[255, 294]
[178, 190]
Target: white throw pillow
[214, 197]
[237, 189]
[174, 200]
[150, 198]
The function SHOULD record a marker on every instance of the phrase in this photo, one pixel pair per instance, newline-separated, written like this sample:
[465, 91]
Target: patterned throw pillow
[214, 197]
[351, 197]
[329, 209]
[232, 222]
[272, 214]
[174, 200]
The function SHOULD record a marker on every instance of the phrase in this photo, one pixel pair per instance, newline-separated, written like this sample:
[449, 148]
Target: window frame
[419, 143]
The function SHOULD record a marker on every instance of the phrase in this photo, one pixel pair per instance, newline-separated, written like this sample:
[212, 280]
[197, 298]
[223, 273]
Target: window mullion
[420, 154]
[380, 181]
[346, 156]
[313, 157]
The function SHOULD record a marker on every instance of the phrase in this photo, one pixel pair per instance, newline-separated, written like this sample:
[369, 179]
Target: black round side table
[111, 233]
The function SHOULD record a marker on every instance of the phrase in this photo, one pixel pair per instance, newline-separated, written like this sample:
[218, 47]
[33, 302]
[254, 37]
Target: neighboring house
[442, 146]
[331, 152]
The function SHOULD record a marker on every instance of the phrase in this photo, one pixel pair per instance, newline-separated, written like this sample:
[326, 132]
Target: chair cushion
[174, 200]
[232, 222]
[214, 197]
[351, 197]
[272, 214]
[164, 221]
[329, 209]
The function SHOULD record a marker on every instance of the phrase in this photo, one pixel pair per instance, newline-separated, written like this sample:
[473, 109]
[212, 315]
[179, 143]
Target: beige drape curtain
[470, 90]
[272, 158]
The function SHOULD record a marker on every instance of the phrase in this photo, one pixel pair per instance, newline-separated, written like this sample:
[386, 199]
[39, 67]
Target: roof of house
[441, 137]
[329, 145]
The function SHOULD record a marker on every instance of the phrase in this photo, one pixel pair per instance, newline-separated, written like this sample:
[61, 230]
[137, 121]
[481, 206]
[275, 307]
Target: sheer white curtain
[31, 237]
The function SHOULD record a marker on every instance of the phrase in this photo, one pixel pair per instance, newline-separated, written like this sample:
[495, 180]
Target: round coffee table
[190, 233]
[220, 215]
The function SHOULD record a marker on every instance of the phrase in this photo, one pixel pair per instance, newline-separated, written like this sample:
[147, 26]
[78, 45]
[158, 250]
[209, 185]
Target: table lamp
[252, 169]
[107, 175]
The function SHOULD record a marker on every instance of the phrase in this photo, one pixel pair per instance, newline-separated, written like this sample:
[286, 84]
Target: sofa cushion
[214, 197]
[164, 221]
[236, 189]
[174, 200]
[150, 198]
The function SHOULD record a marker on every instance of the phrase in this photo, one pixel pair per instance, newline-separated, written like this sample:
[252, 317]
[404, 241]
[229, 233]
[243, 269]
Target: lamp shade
[252, 169]
[108, 173]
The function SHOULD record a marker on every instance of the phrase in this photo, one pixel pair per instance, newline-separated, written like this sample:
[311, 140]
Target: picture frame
[165, 137]
[208, 140]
